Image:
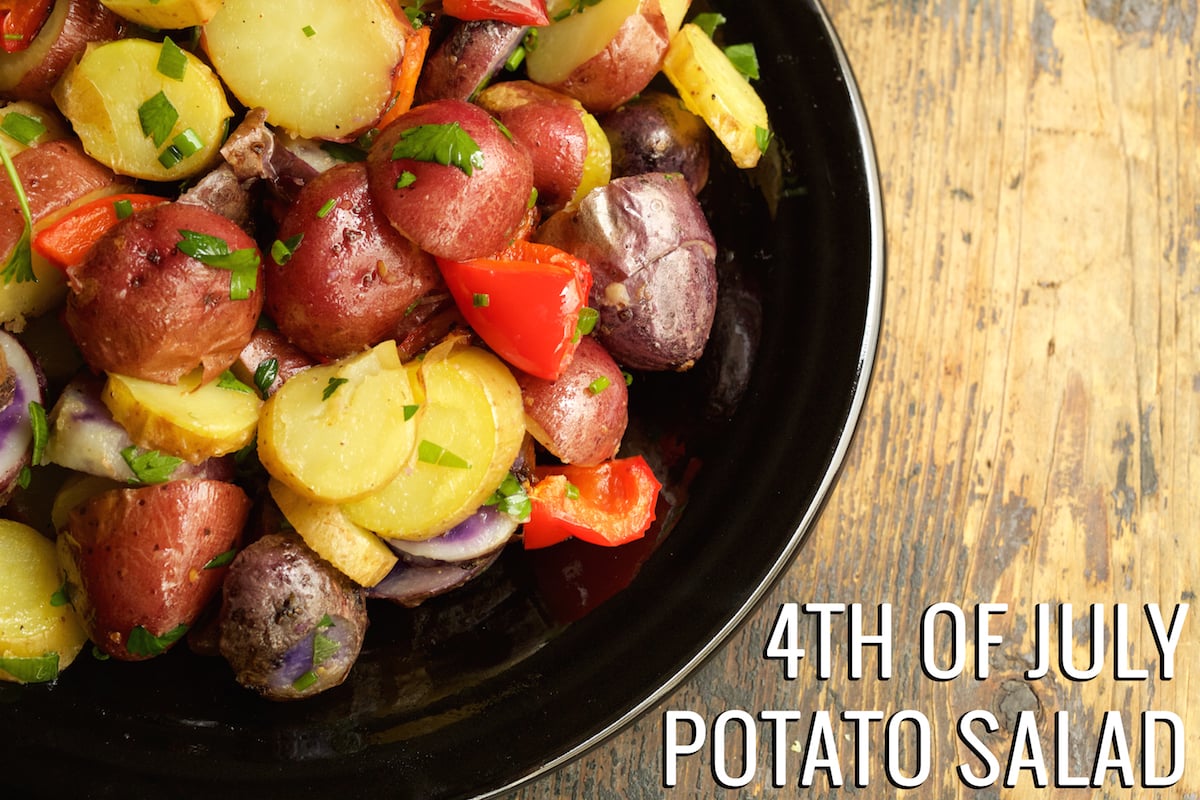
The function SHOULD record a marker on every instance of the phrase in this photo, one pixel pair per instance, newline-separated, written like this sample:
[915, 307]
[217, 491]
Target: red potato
[580, 417]
[141, 307]
[550, 125]
[140, 562]
[351, 277]
[467, 59]
[268, 345]
[604, 54]
[466, 208]
[653, 260]
[55, 176]
[73, 24]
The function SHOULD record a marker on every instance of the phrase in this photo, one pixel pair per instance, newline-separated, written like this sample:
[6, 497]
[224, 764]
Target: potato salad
[309, 306]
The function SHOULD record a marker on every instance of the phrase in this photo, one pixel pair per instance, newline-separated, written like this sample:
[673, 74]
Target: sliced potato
[713, 89]
[337, 431]
[356, 552]
[597, 164]
[321, 69]
[40, 634]
[121, 106]
[564, 45]
[674, 11]
[50, 124]
[469, 430]
[168, 14]
[187, 419]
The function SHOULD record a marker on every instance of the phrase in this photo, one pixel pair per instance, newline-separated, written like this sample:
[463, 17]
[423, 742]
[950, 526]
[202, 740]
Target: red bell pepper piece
[518, 12]
[20, 22]
[524, 303]
[67, 241]
[611, 503]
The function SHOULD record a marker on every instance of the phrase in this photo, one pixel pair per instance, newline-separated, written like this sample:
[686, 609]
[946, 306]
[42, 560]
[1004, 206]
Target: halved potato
[469, 430]
[713, 89]
[51, 124]
[140, 121]
[356, 552]
[189, 420]
[602, 55]
[168, 14]
[40, 633]
[337, 431]
[322, 70]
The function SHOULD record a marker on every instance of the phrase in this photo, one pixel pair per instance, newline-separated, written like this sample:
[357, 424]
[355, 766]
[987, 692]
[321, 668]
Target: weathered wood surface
[1032, 433]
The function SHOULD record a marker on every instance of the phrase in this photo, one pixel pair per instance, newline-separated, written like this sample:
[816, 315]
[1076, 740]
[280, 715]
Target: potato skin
[655, 133]
[138, 306]
[349, 283]
[653, 260]
[573, 417]
[275, 597]
[137, 556]
[625, 66]
[445, 211]
[470, 55]
[31, 75]
[550, 126]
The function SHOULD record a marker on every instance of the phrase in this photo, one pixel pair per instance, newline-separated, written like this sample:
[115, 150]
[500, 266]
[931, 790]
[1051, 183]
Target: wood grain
[1032, 433]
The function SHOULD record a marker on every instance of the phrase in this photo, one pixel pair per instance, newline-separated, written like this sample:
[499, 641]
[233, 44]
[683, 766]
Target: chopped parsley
[150, 466]
[61, 596]
[762, 137]
[744, 59]
[265, 374]
[405, 180]
[410, 410]
[229, 381]
[511, 498]
[144, 643]
[332, 386]
[446, 144]
[212, 251]
[19, 267]
[157, 117]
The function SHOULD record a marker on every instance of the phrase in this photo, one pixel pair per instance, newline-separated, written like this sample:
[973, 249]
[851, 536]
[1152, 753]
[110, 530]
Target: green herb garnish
[31, 669]
[480, 300]
[41, 431]
[283, 250]
[410, 411]
[324, 210]
[308, 31]
[599, 385]
[228, 380]
[157, 117]
[144, 643]
[19, 267]
[430, 453]
[762, 137]
[586, 323]
[172, 61]
[221, 559]
[405, 180]
[744, 59]
[122, 208]
[22, 127]
[265, 374]
[511, 498]
[446, 144]
[709, 22]
[213, 251]
[332, 386]
[150, 466]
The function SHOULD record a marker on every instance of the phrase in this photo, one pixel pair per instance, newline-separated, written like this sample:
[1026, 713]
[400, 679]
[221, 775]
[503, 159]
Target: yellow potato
[713, 89]
[597, 164]
[469, 431]
[121, 105]
[356, 552]
[337, 431]
[322, 70]
[40, 633]
[188, 420]
[165, 14]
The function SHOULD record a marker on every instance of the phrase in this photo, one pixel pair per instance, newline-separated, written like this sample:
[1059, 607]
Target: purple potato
[291, 625]
[413, 581]
[653, 132]
[486, 531]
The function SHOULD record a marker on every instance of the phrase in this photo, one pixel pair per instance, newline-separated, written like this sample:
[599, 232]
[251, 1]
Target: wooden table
[1032, 433]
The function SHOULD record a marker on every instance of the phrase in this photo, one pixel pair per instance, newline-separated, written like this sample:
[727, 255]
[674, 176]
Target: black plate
[550, 652]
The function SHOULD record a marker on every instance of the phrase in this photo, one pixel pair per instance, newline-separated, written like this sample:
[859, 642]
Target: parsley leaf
[213, 251]
[265, 374]
[332, 387]
[19, 267]
[31, 669]
[150, 466]
[446, 144]
[144, 643]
